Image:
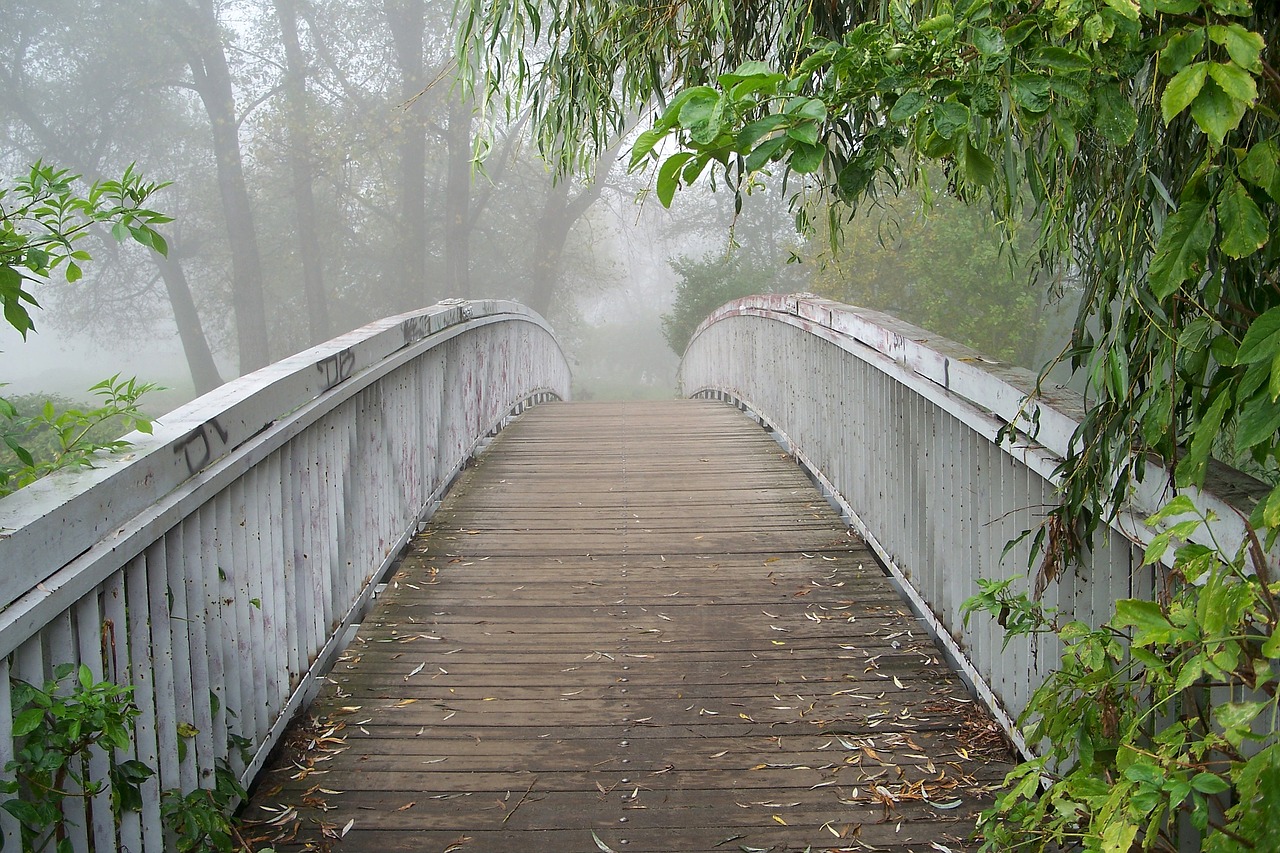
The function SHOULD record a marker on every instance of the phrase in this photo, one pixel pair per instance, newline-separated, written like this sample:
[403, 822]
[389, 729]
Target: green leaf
[1232, 715]
[1061, 59]
[671, 116]
[806, 158]
[751, 68]
[1243, 46]
[1209, 783]
[1116, 118]
[1196, 334]
[703, 118]
[935, 24]
[1261, 167]
[693, 169]
[978, 167]
[1181, 49]
[1179, 505]
[810, 108]
[1216, 112]
[853, 179]
[1118, 836]
[1031, 92]
[27, 722]
[764, 152]
[757, 73]
[906, 106]
[989, 41]
[1127, 8]
[1183, 248]
[1147, 617]
[1235, 81]
[1244, 228]
[1262, 340]
[1156, 549]
[645, 143]
[805, 131]
[1021, 31]
[28, 813]
[668, 176]
[949, 117]
[753, 132]
[1189, 673]
[1191, 468]
[1232, 7]
[1257, 422]
[24, 455]
[1182, 90]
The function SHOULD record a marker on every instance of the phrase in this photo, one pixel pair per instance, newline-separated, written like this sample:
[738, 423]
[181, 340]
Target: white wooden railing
[899, 427]
[216, 566]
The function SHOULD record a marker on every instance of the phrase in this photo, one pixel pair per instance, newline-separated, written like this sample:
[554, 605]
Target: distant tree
[302, 171]
[705, 284]
[939, 266]
[195, 28]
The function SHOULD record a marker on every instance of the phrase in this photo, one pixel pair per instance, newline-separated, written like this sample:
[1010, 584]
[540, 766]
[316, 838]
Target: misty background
[323, 174]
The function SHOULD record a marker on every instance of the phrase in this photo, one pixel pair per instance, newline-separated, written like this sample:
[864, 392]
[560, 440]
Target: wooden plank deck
[639, 621]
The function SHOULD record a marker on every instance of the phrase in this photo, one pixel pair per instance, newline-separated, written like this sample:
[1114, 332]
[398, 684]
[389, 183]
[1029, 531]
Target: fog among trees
[325, 172]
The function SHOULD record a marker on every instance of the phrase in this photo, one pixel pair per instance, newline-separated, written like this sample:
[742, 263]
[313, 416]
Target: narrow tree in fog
[195, 28]
[301, 168]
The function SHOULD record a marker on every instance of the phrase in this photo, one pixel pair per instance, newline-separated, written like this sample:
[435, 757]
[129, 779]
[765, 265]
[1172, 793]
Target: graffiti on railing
[337, 368]
[197, 446]
[416, 328]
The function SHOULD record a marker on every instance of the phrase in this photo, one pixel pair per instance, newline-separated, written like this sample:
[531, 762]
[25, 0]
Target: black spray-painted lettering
[197, 446]
[337, 367]
[416, 328]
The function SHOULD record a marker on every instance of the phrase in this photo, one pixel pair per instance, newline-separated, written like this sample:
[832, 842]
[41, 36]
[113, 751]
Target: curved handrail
[226, 554]
[902, 428]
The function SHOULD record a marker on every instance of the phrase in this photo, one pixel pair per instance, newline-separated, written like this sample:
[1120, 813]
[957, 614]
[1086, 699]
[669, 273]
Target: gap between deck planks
[639, 621]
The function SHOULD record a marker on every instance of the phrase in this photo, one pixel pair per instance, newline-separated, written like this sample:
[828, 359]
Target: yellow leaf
[780, 820]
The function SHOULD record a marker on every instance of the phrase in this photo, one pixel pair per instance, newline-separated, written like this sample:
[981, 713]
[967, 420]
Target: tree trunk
[406, 18]
[204, 373]
[301, 169]
[550, 234]
[212, 78]
[457, 197]
[559, 213]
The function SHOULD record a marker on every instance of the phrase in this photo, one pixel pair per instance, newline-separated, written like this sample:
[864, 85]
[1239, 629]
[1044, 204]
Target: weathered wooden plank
[639, 621]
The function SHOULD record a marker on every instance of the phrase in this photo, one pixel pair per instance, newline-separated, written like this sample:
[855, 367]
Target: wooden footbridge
[640, 621]
[725, 623]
